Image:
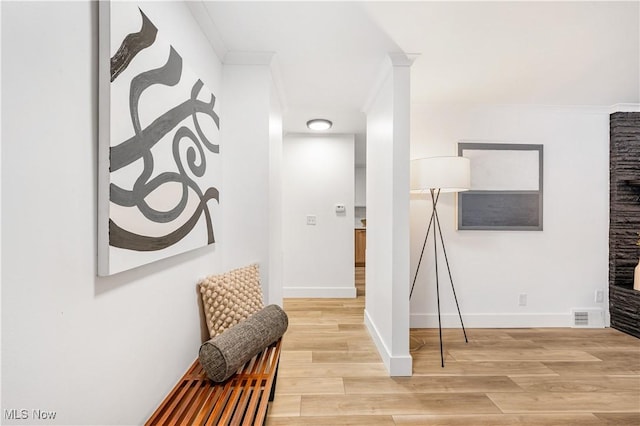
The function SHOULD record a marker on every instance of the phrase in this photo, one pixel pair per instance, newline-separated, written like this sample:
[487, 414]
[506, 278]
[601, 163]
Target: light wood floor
[331, 374]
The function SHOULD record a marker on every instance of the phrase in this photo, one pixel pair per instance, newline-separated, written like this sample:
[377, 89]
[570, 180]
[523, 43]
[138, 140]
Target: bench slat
[260, 400]
[199, 402]
[250, 383]
[241, 400]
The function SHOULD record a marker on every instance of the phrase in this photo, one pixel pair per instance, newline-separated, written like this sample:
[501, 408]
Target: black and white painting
[506, 187]
[160, 169]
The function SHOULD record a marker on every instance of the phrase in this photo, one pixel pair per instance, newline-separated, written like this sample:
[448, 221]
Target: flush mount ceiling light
[319, 124]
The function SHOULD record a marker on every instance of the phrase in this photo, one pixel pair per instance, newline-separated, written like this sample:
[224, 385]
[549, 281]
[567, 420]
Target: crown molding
[393, 59]
[624, 108]
[248, 58]
[201, 15]
[401, 59]
[268, 59]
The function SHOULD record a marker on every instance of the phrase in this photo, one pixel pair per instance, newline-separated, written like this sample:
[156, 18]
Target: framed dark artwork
[159, 162]
[506, 187]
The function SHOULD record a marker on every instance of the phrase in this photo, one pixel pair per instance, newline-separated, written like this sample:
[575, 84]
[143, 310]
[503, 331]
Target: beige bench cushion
[230, 297]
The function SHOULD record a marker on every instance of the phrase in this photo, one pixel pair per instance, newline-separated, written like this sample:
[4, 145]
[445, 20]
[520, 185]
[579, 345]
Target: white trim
[625, 108]
[319, 292]
[248, 58]
[201, 15]
[509, 320]
[396, 365]
[397, 59]
[278, 82]
[383, 73]
[593, 109]
[401, 59]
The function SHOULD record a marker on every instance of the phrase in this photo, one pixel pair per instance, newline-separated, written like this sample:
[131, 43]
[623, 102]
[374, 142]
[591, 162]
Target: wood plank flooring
[331, 374]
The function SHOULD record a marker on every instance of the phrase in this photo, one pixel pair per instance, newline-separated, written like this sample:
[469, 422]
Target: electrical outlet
[599, 295]
[312, 219]
[522, 299]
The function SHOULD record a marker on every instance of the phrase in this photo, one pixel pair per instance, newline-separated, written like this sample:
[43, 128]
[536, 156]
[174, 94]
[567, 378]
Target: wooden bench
[242, 399]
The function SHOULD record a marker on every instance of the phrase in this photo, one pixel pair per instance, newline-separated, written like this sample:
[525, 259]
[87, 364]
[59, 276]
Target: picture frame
[506, 187]
[159, 165]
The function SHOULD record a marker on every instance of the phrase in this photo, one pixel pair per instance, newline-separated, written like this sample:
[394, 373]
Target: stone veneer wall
[624, 220]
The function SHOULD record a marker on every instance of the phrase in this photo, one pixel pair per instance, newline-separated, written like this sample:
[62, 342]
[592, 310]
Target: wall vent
[581, 318]
[587, 318]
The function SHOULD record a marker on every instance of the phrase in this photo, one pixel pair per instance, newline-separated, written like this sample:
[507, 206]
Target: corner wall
[559, 268]
[318, 173]
[251, 145]
[276, 267]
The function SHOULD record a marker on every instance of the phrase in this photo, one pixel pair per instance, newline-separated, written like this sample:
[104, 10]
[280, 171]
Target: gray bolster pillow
[223, 355]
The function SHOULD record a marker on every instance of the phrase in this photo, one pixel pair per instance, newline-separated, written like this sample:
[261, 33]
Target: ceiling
[328, 55]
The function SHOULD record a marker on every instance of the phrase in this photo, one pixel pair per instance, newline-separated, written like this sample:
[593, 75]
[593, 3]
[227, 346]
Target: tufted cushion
[231, 297]
[223, 355]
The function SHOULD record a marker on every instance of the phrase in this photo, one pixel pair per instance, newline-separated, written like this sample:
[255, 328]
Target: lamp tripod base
[437, 230]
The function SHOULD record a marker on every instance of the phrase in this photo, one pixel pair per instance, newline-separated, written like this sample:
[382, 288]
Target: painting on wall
[159, 162]
[506, 187]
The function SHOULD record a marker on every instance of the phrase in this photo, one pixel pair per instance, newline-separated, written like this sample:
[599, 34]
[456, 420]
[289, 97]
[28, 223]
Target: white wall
[360, 211]
[276, 266]
[317, 175]
[361, 186]
[559, 268]
[387, 255]
[98, 350]
[248, 131]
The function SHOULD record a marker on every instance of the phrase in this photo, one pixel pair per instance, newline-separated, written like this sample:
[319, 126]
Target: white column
[387, 270]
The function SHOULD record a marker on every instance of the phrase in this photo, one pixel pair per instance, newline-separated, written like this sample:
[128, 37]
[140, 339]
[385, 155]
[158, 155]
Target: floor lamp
[438, 175]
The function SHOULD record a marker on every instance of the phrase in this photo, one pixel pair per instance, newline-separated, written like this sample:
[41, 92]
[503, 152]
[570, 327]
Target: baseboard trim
[319, 292]
[510, 320]
[396, 365]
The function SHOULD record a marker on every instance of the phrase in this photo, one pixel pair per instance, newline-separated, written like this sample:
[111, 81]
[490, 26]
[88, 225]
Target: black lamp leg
[450, 277]
[437, 230]
[424, 244]
[435, 254]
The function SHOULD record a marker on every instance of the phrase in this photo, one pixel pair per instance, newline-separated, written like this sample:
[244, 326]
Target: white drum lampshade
[447, 174]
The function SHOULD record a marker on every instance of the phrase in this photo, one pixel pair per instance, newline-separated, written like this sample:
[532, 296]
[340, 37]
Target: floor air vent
[588, 318]
[581, 319]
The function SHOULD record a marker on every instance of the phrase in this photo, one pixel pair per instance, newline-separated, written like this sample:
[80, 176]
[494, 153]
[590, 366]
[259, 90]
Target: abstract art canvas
[159, 149]
[506, 187]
